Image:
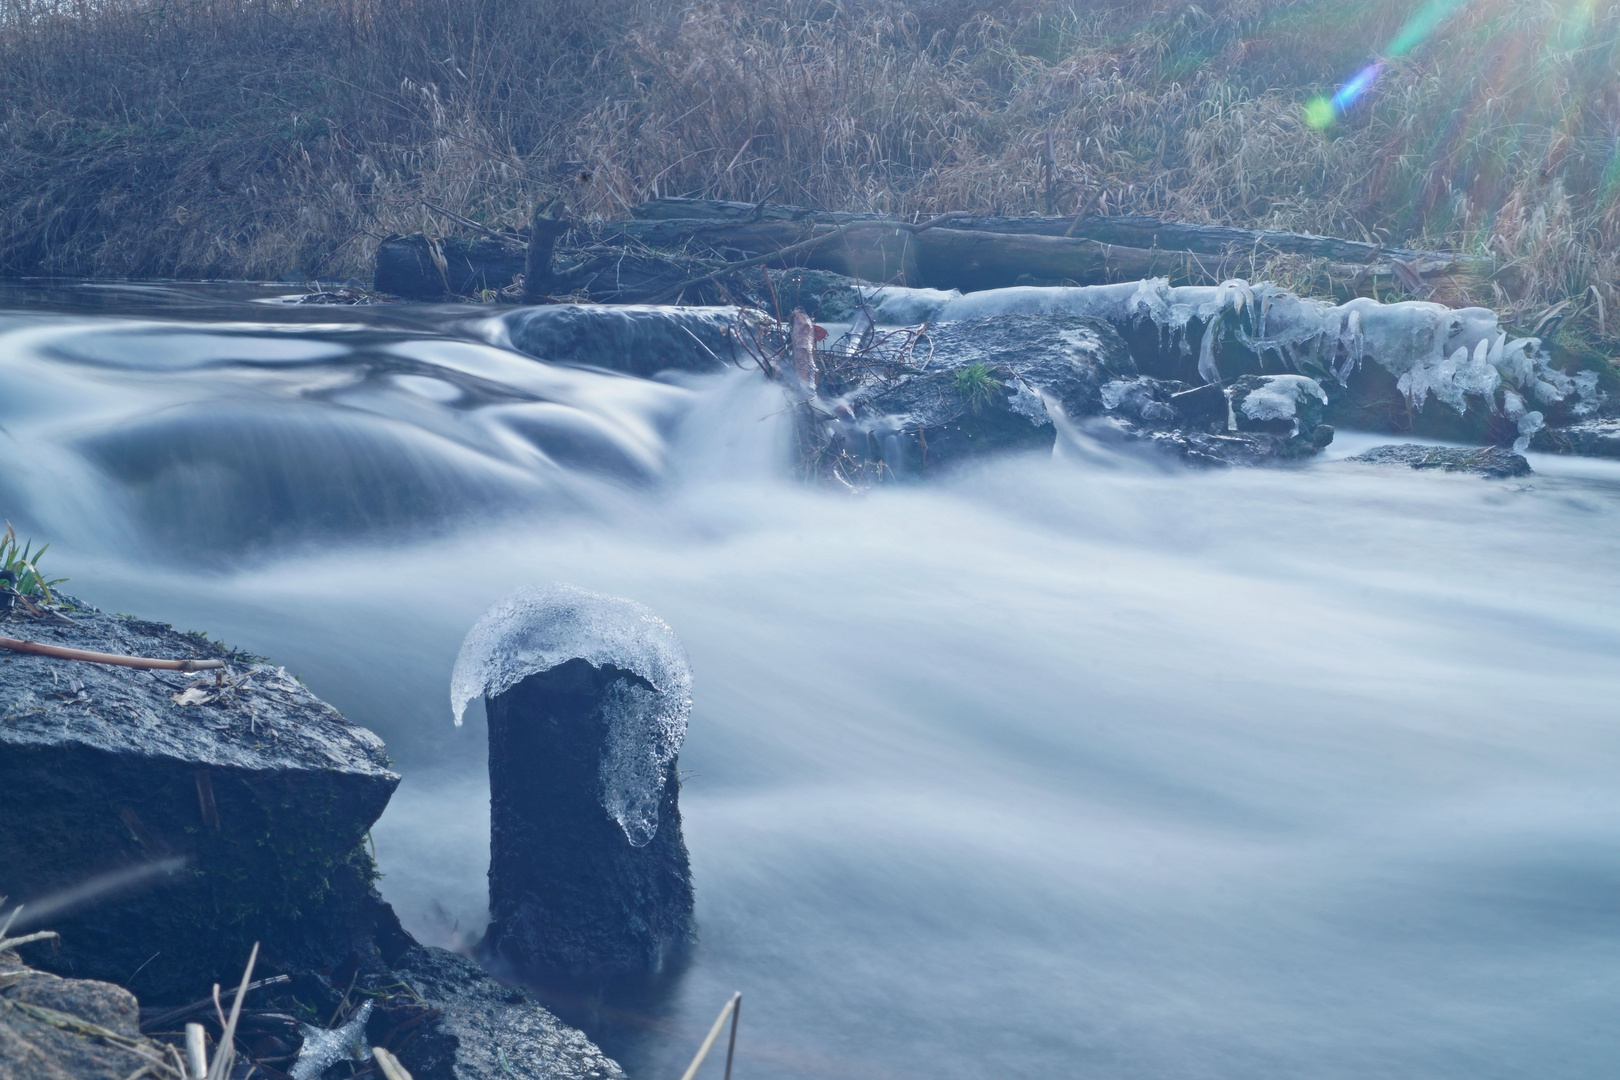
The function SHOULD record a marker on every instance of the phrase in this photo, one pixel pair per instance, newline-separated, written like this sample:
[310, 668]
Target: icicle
[1206, 353]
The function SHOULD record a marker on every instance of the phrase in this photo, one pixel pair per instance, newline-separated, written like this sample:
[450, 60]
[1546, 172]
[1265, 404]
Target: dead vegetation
[260, 137]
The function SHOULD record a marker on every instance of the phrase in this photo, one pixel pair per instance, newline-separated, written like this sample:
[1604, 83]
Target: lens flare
[1322, 112]
[1357, 86]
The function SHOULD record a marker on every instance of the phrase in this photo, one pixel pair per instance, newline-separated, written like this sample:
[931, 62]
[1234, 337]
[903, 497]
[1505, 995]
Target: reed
[255, 137]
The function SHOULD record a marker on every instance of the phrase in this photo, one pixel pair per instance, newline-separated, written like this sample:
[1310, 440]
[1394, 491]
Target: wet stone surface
[1006, 382]
[1492, 461]
[203, 811]
[67, 1029]
[486, 1030]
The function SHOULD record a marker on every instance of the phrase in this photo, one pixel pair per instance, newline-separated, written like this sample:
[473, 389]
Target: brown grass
[252, 137]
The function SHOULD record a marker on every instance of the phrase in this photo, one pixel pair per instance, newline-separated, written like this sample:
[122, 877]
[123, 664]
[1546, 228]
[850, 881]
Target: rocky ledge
[162, 822]
[209, 811]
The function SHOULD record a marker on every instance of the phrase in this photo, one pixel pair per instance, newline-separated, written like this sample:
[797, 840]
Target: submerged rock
[489, 1031]
[199, 813]
[1493, 461]
[587, 698]
[53, 1028]
[963, 390]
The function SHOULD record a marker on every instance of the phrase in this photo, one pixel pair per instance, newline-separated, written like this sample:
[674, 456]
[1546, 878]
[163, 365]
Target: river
[1067, 764]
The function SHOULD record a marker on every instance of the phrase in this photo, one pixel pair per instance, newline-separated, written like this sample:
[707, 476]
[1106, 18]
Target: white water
[1053, 768]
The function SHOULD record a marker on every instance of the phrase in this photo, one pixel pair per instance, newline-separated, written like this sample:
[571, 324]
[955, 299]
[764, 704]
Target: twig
[505, 238]
[731, 1049]
[61, 653]
[198, 1006]
[42, 935]
[931, 223]
[391, 1068]
[714, 1033]
[1085, 212]
[196, 1051]
[731, 268]
[227, 1045]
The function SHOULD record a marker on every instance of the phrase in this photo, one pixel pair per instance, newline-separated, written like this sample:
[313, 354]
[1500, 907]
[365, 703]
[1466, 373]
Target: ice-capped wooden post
[587, 698]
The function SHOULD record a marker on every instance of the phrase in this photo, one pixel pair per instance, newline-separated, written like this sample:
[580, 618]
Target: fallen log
[675, 246]
[1129, 230]
[1344, 267]
[423, 268]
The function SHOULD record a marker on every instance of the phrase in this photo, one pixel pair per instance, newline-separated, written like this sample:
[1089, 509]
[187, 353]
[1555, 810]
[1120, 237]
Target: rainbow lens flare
[1321, 112]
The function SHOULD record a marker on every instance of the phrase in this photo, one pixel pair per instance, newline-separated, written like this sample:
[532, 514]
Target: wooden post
[544, 229]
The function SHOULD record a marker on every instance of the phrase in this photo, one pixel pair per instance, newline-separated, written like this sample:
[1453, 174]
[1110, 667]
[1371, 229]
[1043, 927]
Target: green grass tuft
[23, 561]
[977, 385]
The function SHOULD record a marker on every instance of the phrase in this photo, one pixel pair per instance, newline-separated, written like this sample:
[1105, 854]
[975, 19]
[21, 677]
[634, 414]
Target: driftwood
[681, 247]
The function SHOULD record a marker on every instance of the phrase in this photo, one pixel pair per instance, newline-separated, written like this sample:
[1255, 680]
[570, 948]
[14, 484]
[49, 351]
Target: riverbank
[266, 140]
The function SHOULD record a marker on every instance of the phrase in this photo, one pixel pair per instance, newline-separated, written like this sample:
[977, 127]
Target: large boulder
[962, 390]
[163, 822]
[587, 698]
[965, 388]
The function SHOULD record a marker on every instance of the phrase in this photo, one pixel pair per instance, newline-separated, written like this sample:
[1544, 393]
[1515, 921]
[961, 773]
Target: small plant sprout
[23, 562]
[977, 385]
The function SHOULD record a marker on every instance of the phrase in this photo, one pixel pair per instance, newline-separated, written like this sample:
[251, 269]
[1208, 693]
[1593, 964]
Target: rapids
[1061, 765]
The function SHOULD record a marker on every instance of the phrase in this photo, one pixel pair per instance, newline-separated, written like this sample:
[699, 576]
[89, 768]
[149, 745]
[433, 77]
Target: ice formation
[1454, 356]
[540, 627]
[896, 305]
[1279, 398]
[324, 1048]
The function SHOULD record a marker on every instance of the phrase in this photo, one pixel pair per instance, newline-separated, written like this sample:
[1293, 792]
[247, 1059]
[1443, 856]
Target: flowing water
[1066, 765]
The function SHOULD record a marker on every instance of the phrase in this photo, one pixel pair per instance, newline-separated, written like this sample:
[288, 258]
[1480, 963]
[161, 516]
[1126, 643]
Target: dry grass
[251, 137]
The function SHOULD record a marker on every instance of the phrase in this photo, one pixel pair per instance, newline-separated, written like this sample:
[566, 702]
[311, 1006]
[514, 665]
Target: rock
[1492, 461]
[587, 698]
[163, 822]
[1598, 438]
[634, 340]
[1007, 381]
[967, 389]
[1277, 405]
[488, 1031]
[67, 1029]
